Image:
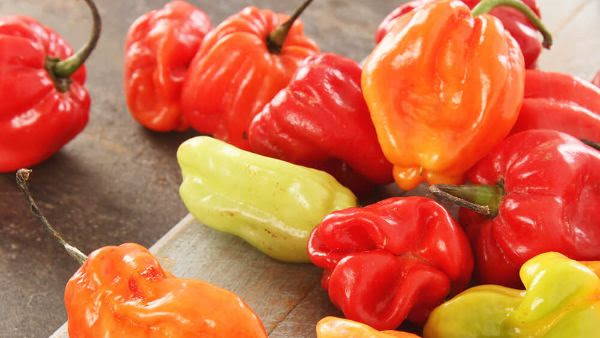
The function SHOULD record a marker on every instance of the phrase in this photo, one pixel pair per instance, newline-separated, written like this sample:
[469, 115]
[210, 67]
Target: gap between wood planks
[287, 314]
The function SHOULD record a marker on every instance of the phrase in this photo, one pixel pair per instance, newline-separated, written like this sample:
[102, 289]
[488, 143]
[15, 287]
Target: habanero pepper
[444, 87]
[519, 27]
[560, 102]
[122, 291]
[43, 101]
[536, 192]
[321, 120]
[561, 299]
[271, 204]
[240, 67]
[159, 48]
[332, 327]
[392, 260]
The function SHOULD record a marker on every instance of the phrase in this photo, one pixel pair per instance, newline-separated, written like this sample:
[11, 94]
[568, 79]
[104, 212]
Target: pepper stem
[483, 199]
[487, 5]
[61, 70]
[277, 37]
[22, 182]
[592, 144]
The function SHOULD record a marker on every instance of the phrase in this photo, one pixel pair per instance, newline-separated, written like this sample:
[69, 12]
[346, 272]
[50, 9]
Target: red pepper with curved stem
[560, 102]
[391, 260]
[526, 35]
[43, 101]
[159, 48]
[240, 67]
[321, 120]
[539, 191]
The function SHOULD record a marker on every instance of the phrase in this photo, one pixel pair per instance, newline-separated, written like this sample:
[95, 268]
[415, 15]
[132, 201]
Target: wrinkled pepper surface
[444, 87]
[159, 48]
[321, 120]
[562, 299]
[519, 27]
[391, 260]
[539, 191]
[332, 327]
[122, 291]
[271, 204]
[240, 67]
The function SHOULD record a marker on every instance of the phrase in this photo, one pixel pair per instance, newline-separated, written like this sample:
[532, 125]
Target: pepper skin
[443, 89]
[36, 117]
[545, 182]
[561, 102]
[391, 260]
[235, 73]
[122, 291]
[159, 48]
[321, 120]
[332, 327]
[271, 204]
[596, 80]
[562, 299]
[526, 35]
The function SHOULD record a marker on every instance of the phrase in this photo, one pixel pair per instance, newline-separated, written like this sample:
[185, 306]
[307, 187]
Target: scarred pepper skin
[562, 299]
[443, 88]
[332, 327]
[321, 120]
[36, 119]
[391, 260]
[234, 74]
[159, 48]
[122, 291]
[550, 187]
[526, 35]
[560, 102]
[272, 204]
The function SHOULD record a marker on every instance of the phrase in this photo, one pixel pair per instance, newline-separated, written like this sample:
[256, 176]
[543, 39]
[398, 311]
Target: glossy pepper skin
[560, 102]
[332, 327]
[159, 48]
[443, 88]
[122, 291]
[561, 299]
[234, 74]
[321, 120]
[549, 186]
[391, 260]
[271, 204]
[526, 35]
[36, 118]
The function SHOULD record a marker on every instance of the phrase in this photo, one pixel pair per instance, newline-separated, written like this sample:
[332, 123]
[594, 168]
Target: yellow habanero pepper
[332, 327]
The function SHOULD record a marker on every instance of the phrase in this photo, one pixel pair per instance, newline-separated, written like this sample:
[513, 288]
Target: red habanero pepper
[391, 260]
[561, 102]
[321, 120]
[43, 101]
[538, 191]
[240, 67]
[526, 35]
[159, 48]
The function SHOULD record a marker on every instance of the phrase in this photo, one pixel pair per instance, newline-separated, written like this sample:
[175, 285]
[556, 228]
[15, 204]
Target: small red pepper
[526, 35]
[391, 260]
[159, 48]
[321, 120]
[43, 101]
[240, 67]
[539, 191]
[561, 102]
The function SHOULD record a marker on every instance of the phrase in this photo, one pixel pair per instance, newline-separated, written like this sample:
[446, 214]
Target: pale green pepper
[272, 204]
[562, 299]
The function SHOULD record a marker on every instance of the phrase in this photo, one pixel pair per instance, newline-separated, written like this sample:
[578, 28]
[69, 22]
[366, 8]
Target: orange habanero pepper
[444, 87]
[332, 327]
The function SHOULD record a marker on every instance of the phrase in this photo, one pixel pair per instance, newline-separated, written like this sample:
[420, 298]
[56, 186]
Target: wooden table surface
[118, 182]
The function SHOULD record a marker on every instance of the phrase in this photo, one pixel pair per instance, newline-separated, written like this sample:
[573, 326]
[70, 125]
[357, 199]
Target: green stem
[22, 182]
[487, 5]
[277, 37]
[483, 199]
[592, 144]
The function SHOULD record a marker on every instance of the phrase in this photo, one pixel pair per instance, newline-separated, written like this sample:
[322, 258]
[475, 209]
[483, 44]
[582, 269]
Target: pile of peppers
[505, 244]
